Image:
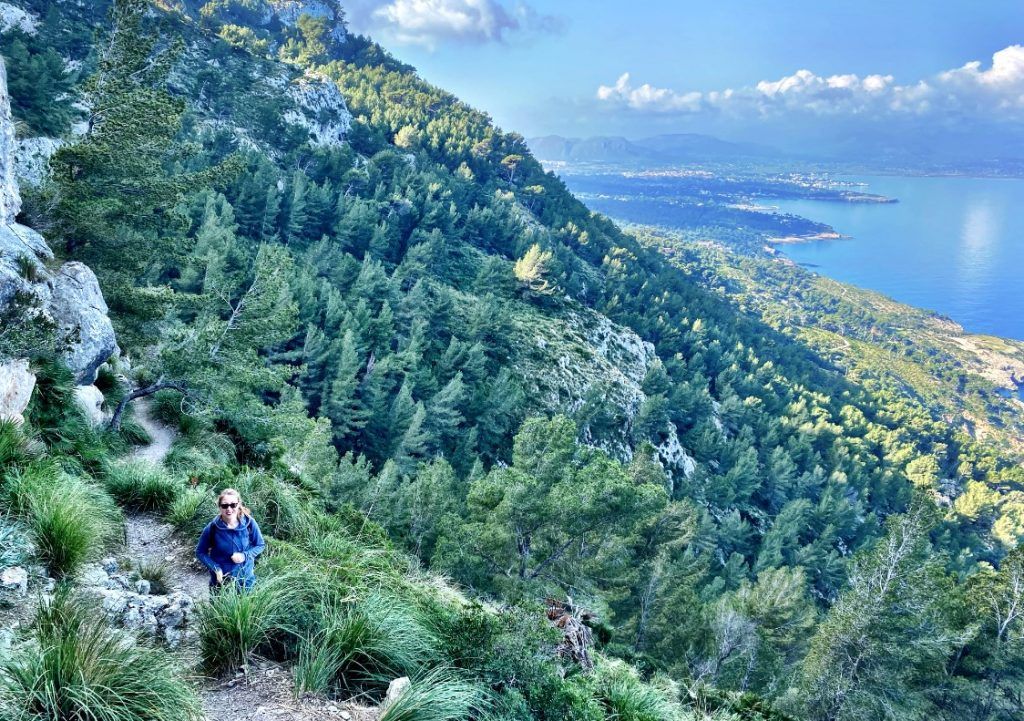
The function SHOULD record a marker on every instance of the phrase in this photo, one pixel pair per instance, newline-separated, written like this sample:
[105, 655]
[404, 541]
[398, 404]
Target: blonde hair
[242, 510]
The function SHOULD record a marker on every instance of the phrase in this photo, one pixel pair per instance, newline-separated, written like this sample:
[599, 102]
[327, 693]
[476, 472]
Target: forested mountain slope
[357, 283]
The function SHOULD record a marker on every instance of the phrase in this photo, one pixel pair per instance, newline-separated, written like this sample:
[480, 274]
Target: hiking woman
[230, 543]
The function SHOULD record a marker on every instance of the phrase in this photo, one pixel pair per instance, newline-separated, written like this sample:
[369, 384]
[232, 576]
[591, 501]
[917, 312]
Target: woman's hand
[237, 557]
[220, 577]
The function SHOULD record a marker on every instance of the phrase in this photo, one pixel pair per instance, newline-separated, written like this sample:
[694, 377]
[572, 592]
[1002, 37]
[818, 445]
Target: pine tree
[295, 232]
[344, 406]
[414, 444]
[445, 417]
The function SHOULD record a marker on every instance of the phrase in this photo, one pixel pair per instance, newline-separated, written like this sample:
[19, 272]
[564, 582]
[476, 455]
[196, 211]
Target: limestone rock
[320, 108]
[10, 198]
[12, 17]
[14, 579]
[32, 163]
[395, 689]
[16, 385]
[90, 400]
[80, 312]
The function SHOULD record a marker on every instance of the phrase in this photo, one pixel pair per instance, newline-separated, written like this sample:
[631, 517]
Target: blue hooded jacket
[218, 542]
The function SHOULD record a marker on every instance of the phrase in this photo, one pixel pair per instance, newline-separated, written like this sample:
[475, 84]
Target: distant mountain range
[674, 148]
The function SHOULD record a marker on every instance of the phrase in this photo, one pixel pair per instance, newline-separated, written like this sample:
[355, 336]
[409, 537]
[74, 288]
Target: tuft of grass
[276, 504]
[154, 572]
[627, 698]
[367, 642]
[15, 447]
[192, 510]
[235, 624]
[134, 434]
[437, 696]
[78, 667]
[141, 486]
[69, 519]
[199, 450]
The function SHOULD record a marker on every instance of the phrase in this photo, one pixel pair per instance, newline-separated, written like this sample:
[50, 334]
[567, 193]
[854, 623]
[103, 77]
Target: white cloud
[648, 97]
[431, 22]
[995, 92]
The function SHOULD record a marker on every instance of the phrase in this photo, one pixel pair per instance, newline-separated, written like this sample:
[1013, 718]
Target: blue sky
[538, 66]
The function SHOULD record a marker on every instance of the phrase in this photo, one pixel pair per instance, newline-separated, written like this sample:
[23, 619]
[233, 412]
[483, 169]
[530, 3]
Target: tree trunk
[115, 421]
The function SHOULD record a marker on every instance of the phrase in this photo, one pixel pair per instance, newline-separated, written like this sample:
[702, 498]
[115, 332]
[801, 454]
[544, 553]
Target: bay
[952, 245]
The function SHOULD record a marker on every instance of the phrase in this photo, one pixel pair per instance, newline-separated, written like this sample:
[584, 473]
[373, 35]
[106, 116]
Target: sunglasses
[229, 505]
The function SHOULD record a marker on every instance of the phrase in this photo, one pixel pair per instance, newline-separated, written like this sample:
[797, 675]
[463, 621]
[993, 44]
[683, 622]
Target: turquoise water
[952, 245]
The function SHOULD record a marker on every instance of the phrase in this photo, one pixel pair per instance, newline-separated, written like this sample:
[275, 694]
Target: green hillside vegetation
[416, 344]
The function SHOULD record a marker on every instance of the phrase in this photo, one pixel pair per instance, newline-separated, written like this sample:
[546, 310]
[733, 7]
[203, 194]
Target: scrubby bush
[58, 420]
[78, 667]
[141, 486]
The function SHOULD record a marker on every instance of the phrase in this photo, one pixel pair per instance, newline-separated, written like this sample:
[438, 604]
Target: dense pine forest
[453, 397]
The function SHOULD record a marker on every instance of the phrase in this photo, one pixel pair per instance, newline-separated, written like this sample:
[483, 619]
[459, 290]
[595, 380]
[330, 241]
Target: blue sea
[952, 245]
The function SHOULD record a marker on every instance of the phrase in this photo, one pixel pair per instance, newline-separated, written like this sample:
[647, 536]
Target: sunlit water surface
[953, 245]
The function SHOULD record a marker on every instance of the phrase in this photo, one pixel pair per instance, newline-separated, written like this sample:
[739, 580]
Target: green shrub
[77, 667]
[235, 624]
[59, 421]
[437, 696]
[141, 486]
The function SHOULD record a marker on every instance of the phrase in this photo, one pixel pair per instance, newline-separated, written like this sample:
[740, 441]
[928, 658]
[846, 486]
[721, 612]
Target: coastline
[797, 239]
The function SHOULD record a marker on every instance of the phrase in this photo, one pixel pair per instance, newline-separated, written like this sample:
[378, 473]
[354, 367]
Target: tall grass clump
[277, 505]
[437, 696]
[236, 624]
[69, 519]
[16, 448]
[141, 486]
[365, 643]
[192, 510]
[58, 420]
[78, 667]
[196, 452]
[627, 698]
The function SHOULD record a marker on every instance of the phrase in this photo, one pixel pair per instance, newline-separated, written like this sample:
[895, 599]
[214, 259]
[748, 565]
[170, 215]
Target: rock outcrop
[320, 108]
[80, 312]
[16, 385]
[69, 298]
[32, 163]
[12, 17]
[10, 198]
[129, 603]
